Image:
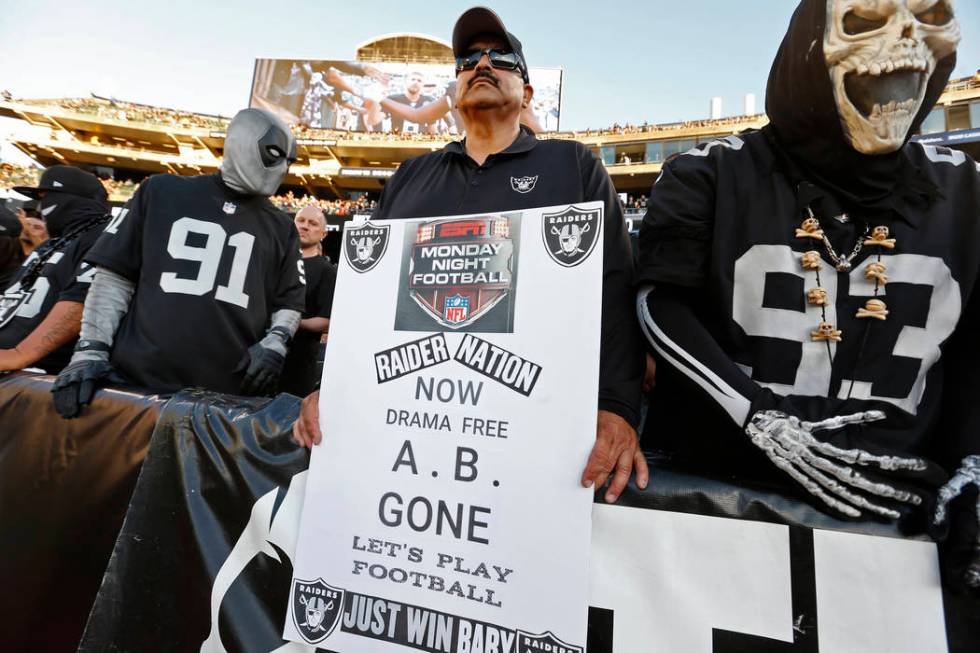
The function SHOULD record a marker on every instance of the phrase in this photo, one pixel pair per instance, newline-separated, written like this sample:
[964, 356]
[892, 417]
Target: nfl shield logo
[571, 235]
[528, 643]
[229, 208]
[316, 608]
[457, 308]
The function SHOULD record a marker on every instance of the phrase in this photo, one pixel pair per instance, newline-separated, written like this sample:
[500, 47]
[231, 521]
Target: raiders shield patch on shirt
[523, 184]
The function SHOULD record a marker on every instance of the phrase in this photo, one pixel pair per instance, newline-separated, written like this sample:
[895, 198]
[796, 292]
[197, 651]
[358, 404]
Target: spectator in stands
[40, 313]
[33, 231]
[164, 313]
[299, 375]
[18, 238]
[492, 92]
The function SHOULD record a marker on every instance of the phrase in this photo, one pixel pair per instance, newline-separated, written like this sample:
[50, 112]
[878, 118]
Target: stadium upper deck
[126, 140]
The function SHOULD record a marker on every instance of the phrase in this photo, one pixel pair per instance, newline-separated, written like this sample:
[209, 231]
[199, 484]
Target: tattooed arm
[60, 327]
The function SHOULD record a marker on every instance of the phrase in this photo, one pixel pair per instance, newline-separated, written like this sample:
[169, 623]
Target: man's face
[311, 226]
[33, 231]
[413, 84]
[485, 87]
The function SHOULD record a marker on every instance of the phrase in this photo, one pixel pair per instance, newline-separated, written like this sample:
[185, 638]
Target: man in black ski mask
[40, 312]
[199, 280]
[810, 286]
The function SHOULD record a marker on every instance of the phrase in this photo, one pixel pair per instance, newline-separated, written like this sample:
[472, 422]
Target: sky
[624, 60]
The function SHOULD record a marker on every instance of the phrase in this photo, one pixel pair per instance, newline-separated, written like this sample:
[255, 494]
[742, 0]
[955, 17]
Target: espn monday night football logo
[459, 274]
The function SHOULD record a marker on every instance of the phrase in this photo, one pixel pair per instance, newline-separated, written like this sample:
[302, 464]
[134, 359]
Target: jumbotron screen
[381, 97]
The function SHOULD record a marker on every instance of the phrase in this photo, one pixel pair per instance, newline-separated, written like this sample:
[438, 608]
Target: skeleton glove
[960, 554]
[828, 472]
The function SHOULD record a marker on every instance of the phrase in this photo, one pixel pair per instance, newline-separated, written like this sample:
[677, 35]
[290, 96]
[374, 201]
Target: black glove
[76, 384]
[262, 369]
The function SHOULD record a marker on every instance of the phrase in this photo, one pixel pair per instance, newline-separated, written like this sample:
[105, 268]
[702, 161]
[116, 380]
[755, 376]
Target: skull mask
[259, 147]
[881, 55]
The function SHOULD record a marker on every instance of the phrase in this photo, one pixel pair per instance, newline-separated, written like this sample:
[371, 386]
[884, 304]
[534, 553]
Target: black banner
[202, 562]
[64, 488]
[215, 481]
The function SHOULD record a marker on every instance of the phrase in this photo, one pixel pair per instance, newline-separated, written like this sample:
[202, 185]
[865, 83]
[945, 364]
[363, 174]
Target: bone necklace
[875, 271]
[842, 264]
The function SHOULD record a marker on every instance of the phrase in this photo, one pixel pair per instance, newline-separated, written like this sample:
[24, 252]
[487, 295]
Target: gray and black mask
[258, 150]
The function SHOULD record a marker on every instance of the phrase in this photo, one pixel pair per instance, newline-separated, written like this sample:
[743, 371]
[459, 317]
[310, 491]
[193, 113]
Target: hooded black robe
[730, 319]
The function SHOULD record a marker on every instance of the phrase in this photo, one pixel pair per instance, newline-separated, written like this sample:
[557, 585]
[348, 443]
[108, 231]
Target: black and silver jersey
[724, 236]
[210, 268]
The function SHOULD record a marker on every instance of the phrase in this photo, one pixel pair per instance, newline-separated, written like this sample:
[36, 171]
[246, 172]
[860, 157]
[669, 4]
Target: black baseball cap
[481, 21]
[66, 179]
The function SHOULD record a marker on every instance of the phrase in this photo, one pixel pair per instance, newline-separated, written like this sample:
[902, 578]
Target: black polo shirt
[449, 182]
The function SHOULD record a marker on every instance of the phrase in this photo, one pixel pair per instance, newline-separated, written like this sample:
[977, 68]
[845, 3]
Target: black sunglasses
[500, 59]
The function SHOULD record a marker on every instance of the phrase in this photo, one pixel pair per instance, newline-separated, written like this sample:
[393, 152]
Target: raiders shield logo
[571, 235]
[523, 184]
[316, 608]
[365, 245]
[528, 643]
[11, 302]
[460, 269]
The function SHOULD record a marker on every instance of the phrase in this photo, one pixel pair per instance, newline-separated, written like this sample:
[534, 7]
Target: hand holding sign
[616, 447]
[306, 429]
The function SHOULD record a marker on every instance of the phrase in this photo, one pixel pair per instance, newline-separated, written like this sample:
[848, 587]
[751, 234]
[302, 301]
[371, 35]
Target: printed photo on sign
[459, 275]
[365, 245]
[571, 235]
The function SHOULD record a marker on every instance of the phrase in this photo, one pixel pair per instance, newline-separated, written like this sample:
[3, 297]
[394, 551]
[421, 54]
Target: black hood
[64, 210]
[806, 128]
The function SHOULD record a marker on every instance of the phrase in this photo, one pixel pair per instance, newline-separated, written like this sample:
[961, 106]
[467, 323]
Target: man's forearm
[315, 324]
[429, 112]
[60, 327]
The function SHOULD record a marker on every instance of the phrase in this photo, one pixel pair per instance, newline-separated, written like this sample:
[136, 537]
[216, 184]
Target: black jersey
[210, 268]
[724, 231]
[299, 373]
[404, 126]
[64, 277]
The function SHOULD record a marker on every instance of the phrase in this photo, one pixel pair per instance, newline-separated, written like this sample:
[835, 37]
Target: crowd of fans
[130, 111]
[12, 175]
[647, 128]
[122, 190]
[315, 133]
[133, 112]
[292, 203]
[635, 204]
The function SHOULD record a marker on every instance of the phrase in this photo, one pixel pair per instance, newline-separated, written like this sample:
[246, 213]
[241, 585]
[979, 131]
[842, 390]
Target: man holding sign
[502, 166]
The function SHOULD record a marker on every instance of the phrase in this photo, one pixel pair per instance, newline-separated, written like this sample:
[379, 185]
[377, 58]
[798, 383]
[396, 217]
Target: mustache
[484, 74]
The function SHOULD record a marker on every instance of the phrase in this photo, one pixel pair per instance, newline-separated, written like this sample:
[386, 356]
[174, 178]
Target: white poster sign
[444, 510]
